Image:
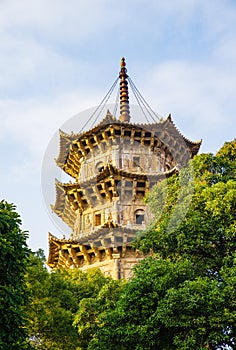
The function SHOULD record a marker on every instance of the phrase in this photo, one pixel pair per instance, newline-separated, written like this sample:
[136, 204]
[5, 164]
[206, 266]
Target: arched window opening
[139, 217]
[99, 167]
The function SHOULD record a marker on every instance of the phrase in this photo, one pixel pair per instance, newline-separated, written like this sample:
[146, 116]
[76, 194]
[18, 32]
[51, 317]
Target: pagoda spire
[124, 93]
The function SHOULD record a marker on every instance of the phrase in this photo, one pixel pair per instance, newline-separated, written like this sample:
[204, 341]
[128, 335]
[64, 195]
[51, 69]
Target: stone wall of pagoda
[131, 157]
[109, 250]
[117, 267]
[118, 197]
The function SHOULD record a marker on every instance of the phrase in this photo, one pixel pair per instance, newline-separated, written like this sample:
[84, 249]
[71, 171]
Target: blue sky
[59, 58]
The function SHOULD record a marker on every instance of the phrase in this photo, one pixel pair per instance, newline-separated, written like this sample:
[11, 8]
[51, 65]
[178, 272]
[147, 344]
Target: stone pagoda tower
[113, 165]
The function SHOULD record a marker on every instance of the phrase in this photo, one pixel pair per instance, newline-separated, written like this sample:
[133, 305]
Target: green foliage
[131, 325]
[227, 158]
[87, 319]
[58, 301]
[13, 294]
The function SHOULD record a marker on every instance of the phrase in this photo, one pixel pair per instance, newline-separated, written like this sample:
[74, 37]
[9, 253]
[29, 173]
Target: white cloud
[34, 121]
[200, 96]
[35, 38]
[225, 51]
[57, 19]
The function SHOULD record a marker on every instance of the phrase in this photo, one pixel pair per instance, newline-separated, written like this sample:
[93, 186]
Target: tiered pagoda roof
[113, 194]
[74, 147]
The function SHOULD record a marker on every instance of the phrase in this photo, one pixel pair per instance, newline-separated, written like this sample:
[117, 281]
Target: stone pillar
[117, 274]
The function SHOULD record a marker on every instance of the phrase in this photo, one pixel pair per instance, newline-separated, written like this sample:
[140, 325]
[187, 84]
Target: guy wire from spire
[116, 103]
[137, 99]
[102, 103]
[142, 100]
[141, 105]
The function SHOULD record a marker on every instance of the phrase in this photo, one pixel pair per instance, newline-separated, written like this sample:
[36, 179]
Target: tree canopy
[13, 290]
[61, 300]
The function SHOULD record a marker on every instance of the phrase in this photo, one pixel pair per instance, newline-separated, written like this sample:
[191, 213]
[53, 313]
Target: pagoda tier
[162, 136]
[108, 248]
[111, 193]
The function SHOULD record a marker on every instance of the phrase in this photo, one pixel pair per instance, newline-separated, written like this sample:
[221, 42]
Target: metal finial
[124, 93]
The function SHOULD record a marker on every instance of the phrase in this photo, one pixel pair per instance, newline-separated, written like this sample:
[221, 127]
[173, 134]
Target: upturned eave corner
[193, 146]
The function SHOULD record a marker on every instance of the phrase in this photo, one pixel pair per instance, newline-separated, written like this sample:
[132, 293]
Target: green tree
[55, 301]
[13, 293]
[87, 318]
[183, 297]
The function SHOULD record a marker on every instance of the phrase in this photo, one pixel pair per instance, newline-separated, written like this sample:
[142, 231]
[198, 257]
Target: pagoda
[113, 166]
